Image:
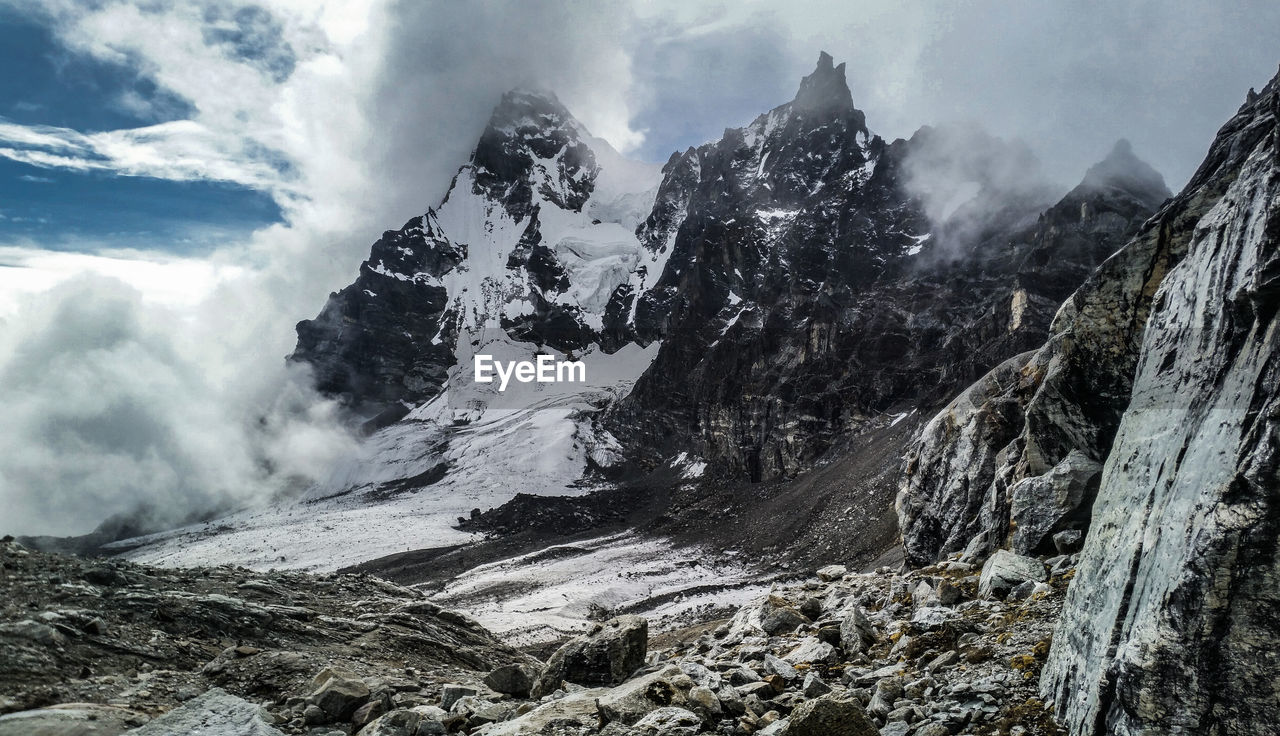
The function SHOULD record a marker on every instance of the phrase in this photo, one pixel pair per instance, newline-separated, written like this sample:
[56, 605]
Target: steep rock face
[376, 340]
[1163, 369]
[1169, 625]
[958, 476]
[807, 293]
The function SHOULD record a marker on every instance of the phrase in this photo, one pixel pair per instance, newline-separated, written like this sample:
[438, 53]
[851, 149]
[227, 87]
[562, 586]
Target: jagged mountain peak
[533, 143]
[1123, 170]
[825, 90]
[530, 106]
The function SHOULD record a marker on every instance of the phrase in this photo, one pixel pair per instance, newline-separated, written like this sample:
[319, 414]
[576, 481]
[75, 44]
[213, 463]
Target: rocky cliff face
[1148, 420]
[808, 292]
[1170, 624]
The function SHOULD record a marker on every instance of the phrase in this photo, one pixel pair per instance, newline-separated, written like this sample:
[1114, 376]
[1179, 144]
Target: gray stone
[215, 713]
[779, 617]
[856, 631]
[1039, 505]
[669, 720]
[512, 679]
[451, 694]
[1022, 591]
[340, 696]
[813, 686]
[810, 651]
[395, 723]
[886, 694]
[932, 618]
[832, 572]
[705, 702]
[1004, 570]
[605, 656]
[830, 716]
[631, 701]
[1068, 541]
[775, 666]
[72, 719]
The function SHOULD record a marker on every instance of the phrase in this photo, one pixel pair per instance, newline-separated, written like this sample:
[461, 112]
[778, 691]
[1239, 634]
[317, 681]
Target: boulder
[832, 572]
[579, 707]
[512, 679]
[636, 698]
[830, 715]
[705, 702]
[856, 631]
[931, 618]
[72, 719]
[339, 696]
[1041, 505]
[1004, 570]
[605, 656]
[778, 616]
[809, 651]
[215, 713]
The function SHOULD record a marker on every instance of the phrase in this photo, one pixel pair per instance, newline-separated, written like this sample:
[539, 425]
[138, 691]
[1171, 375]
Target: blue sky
[45, 84]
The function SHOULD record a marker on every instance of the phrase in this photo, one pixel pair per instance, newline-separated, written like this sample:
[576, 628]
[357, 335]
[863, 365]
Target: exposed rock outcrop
[1162, 369]
[1170, 625]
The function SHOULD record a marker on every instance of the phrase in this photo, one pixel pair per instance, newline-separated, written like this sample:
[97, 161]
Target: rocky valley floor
[112, 647]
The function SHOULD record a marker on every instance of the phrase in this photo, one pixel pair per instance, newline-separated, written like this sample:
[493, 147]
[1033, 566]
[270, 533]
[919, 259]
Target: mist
[354, 116]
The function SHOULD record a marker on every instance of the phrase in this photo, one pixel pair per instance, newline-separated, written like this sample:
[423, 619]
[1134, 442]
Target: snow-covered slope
[536, 232]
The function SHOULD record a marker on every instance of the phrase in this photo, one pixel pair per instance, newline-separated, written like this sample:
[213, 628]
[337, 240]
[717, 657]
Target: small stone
[832, 572]
[1022, 591]
[450, 694]
[779, 667]
[946, 659]
[1068, 541]
[814, 687]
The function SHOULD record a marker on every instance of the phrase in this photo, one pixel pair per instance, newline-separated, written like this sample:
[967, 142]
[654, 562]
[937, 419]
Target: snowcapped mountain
[759, 317]
[535, 234]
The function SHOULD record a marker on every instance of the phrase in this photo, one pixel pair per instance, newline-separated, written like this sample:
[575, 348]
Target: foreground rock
[605, 656]
[1170, 625]
[215, 713]
[871, 653]
[135, 642]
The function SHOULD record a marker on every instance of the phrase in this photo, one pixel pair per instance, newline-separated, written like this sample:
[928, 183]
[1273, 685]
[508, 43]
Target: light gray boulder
[215, 713]
[1040, 506]
[1005, 570]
